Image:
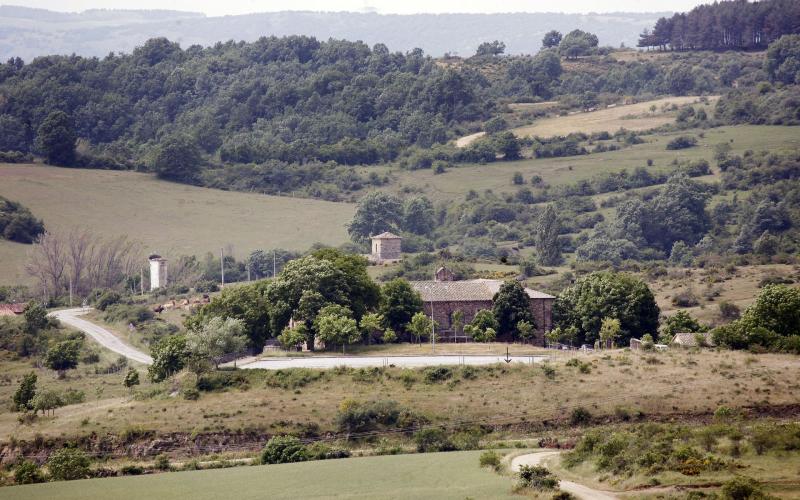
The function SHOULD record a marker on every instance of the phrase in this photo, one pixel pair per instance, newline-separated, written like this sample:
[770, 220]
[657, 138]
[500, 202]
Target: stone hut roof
[688, 339]
[386, 236]
[465, 291]
[9, 309]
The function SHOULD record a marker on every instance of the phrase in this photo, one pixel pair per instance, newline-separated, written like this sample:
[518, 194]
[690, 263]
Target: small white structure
[158, 271]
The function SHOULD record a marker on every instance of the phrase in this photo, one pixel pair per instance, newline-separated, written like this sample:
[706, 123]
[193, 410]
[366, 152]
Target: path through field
[576, 489]
[100, 334]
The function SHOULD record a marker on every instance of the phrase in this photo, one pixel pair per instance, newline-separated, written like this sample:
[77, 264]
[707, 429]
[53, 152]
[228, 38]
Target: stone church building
[443, 296]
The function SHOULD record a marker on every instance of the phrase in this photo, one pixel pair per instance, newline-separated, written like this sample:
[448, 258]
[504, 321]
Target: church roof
[386, 236]
[466, 290]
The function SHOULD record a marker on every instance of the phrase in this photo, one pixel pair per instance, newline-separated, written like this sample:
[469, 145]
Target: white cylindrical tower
[158, 272]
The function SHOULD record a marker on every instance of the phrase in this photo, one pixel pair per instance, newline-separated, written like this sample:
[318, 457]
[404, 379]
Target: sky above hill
[233, 7]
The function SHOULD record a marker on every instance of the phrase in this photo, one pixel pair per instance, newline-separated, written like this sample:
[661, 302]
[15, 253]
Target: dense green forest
[284, 114]
[735, 24]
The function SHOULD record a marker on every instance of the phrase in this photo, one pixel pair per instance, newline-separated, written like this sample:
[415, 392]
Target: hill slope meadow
[435, 475]
[169, 218]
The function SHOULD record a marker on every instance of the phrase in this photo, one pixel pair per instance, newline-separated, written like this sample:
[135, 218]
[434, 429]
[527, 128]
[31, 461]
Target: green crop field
[456, 182]
[168, 218]
[432, 475]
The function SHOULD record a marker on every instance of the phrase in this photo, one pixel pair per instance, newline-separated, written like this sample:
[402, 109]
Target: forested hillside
[725, 25]
[283, 114]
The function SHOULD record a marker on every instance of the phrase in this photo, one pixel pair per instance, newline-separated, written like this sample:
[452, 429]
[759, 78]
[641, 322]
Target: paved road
[369, 361]
[100, 335]
[112, 342]
[576, 489]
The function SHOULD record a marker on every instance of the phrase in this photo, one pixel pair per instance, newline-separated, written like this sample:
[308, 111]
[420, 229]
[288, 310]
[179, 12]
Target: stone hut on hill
[443, 296]
[386, 247]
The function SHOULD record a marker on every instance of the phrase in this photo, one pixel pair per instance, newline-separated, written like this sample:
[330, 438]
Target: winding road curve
[100, 335]
[576, 489]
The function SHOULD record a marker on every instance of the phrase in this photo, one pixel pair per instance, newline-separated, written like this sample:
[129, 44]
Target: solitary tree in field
[63, 356]
[46, 401]
[55, 138]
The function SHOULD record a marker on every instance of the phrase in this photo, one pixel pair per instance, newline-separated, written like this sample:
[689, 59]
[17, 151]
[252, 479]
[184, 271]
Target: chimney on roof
[444, 274]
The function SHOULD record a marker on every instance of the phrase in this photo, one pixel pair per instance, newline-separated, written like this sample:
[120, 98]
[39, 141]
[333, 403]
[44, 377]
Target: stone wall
[389, 249]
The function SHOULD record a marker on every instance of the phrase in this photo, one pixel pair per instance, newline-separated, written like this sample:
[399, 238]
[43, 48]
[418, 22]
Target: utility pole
[273, 262]
[70, 292]
[222, 265]
[141, 280]
[433, 330]
[248, 275]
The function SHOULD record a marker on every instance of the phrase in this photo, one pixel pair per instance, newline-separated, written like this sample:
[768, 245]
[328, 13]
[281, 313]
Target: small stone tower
[386, 247]
[158, 272]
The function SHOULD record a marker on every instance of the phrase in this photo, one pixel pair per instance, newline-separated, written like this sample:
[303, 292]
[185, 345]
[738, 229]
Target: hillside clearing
[169, 218]
[630, 117]
[456, 182]
[634, 117]
[453, 475]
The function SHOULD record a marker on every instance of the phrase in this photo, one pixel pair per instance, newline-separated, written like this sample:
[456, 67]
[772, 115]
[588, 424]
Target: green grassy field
[168, 218]
[497, 176]
[453, 475]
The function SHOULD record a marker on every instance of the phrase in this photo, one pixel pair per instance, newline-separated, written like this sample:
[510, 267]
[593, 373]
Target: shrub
[67, 464]
[162, 462]
[579, 416]
[222, 380]
[537, 477]
[27, 472]
[742, 488]
[321, 451]
[491, 459]
[437, 374]
[430, 440]
[283, 449]
[682, 142]
[107, 298]
[191, 394]
[132, 470]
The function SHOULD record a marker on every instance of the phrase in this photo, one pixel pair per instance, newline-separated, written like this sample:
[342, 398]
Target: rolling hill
[170, 218]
